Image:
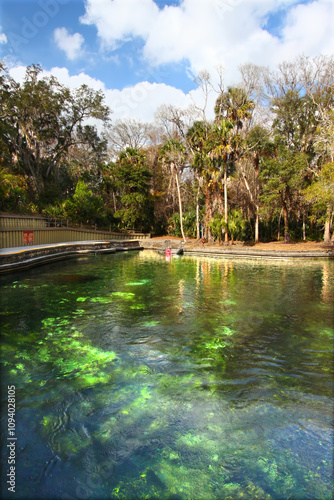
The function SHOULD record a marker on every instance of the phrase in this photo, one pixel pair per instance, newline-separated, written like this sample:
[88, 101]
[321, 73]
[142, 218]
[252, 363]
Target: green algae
[185, 412]
[151, 323]
[225, 330]
[215, 343]
[64, 347]
[124, 295]
[101, 300]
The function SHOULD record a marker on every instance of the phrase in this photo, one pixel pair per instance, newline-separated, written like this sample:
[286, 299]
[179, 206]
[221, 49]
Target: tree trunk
[304, 227]
[180, 204]
[286, 224]
[279, 226]
[225, 203]
[257, 224]
[327, 233]
[198, 233]
[254, 202]
[257, 170]
[208, 213]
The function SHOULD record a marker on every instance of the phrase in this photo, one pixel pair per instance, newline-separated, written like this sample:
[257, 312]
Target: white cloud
[119, 20]
[3, 38]
[309, 29]
[70, 44]
[140, 101]
[74, 81]
[207, 33]
[18, 73]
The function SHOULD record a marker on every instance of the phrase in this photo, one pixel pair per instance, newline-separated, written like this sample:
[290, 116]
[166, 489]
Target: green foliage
[132, 177]
[217, 226]
[295, 122]
[52, 162]
[236, 224]
[14, 192]
[283, 179]
[173, 227]
[189, 224]
[43, 121]
[321, 192]
[84, 206]
[235, 106]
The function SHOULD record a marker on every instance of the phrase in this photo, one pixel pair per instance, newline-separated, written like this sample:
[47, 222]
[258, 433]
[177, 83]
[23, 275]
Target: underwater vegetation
[170, 380]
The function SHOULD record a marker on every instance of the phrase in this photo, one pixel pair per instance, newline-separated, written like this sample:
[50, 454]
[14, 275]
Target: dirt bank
[311, 248]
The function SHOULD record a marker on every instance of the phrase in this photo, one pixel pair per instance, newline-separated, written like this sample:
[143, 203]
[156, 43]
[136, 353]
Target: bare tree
[127, 133]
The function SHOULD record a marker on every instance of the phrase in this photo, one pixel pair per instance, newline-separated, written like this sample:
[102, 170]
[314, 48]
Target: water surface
[194, 378]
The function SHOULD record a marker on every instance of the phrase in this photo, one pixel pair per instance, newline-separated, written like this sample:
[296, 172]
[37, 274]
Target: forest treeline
[261, 169]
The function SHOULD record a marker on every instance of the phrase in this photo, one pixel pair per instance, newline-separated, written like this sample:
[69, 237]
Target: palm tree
[233, 109]
[257, 145]
[197, 136]
[235, 106]
[220, 149]
[173, 155]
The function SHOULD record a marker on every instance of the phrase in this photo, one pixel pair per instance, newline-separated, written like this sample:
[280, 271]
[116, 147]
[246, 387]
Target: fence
[21, 221]
[25, 231]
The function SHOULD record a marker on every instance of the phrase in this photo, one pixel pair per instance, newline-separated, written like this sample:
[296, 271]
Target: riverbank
[274, 249]
[13, 259]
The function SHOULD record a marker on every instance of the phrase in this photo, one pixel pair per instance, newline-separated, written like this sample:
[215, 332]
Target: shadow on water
[138, 377]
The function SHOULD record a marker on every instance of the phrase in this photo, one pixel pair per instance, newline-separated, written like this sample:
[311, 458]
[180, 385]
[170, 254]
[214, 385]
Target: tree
[13, 191]
[235, 106]
[128, 133]
[45, 120]
[197, 136]
[132, 178]
[257, 146]
[84, 206]
[301, 97]
[220, 152]
[321, 194]
[233, 110]
[282, 181]
[173, 155]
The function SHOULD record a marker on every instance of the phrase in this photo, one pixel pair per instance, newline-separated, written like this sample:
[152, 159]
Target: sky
[146, 53]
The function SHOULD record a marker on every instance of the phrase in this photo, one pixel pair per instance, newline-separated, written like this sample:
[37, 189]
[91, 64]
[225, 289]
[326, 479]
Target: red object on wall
[168, 252]
[28, 237]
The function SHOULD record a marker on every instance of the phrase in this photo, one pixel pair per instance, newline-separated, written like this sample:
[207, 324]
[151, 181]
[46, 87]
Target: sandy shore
[309, 248]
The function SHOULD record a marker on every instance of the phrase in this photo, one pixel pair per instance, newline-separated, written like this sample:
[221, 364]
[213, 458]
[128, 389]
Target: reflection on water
[194, 378]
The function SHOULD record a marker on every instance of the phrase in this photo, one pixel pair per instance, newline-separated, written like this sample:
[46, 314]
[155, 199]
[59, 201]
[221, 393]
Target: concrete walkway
[29, 248]
[16, 258]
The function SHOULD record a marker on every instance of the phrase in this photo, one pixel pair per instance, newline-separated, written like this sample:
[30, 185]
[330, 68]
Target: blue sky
[144, 53]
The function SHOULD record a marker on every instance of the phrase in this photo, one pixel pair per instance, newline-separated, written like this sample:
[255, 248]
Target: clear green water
[195, 378]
